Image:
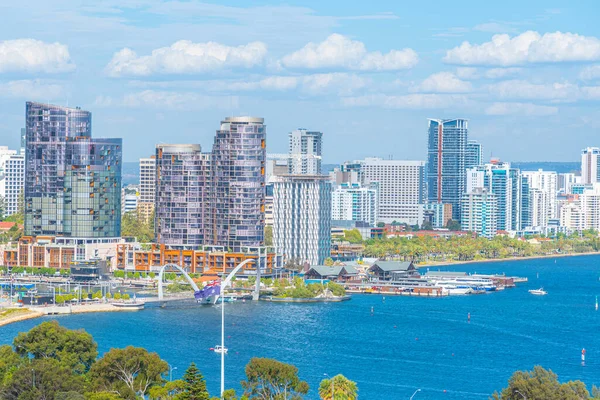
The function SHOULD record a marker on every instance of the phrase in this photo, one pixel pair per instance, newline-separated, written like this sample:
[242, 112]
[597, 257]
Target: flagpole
[224, 284]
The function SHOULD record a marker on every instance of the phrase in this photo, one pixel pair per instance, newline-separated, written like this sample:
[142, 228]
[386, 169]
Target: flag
[207, 291]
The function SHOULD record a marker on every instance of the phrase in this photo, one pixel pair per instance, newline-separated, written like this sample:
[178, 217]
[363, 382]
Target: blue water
[408, 343]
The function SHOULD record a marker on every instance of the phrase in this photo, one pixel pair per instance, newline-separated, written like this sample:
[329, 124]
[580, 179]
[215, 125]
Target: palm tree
[342, 388]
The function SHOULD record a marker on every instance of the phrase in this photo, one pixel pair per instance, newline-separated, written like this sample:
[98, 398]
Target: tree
[2, 208]
[267, 379]
[453, 225]
[541, 384]
[342, 388]
[353, 236]
[268, 235]
[51, 377]
[170, 391]
[194, 387]
[135, 225]
[128, 372]
[427, 226]
[74, 349]
[328, 261]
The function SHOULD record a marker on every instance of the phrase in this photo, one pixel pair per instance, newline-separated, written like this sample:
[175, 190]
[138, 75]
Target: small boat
[220, 349]
[538, 292]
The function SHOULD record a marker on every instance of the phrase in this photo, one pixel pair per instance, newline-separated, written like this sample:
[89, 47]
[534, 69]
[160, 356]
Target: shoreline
[30, 314]
[493, 260]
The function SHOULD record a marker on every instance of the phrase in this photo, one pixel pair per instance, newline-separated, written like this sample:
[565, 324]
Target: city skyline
[460, 63]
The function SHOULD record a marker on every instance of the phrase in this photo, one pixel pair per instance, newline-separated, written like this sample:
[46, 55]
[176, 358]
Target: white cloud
[34, 56]
[471, 73]
[528, 47]
[444, 82]
[103, 101]
[591, 92]
[279, 83]
[31, 89]
[340, 51]
[410, 101]
[590, 73]
[338, 83]
[494, 27]
[179, 100]
[186, 57]
[522, 109]
[516, 89]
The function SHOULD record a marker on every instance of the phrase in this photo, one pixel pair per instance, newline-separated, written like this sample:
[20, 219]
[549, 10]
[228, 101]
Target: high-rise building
[401, 191]
[182, 195]
[147, 188]
[583, 210]
[351, 202]
[72, 182]
[474, 156]
[566, 181]
[446, 162]
[590, 165]
[305, 152]
[543, 189]
[350, 172]
[277, 164]
[238, 183]
[23, 141]
[12, 179]
[479, 212]
[302, 218]
[502, 180]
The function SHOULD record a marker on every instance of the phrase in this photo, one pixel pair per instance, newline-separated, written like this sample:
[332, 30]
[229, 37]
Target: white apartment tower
[147, 179]
[543, 188]
[401, 188]
[302, 218]
[351, 202]
[590, 165]
[12, 179]
[584, 211]
[305, 152]
[479, 212]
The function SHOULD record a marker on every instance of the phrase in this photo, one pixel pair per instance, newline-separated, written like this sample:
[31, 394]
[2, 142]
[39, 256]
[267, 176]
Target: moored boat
[538, 292]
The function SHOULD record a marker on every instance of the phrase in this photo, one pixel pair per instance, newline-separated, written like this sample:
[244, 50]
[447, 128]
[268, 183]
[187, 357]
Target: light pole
[521, 394]
[413, 395]
[171, 372]
[33, 372]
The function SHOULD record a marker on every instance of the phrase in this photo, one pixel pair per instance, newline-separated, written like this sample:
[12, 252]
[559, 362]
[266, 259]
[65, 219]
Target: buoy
[212, 349]
[416, 338]
[394, 326]
[469, 317]
[596, 303]
[583, 356]
[384, 298]
[372, 309]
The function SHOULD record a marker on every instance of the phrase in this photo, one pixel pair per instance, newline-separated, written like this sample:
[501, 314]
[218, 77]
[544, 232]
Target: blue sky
[367, 74]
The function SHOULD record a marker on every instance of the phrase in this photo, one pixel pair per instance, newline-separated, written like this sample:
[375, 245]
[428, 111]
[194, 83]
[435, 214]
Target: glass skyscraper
[446, 162]
[474, 155]
[72, 182]
[238, 183]
[182, 195]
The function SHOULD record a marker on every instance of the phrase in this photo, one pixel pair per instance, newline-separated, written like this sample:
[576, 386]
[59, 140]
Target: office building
[182, 195]
[502, 180]
[277, 164]
[355, 203]
[543, 189]
[72, 182]
[238, 183]
[130, 196]
[446, 162]
[305, 152]
[147, 187]
[401, 191]
[590, 165]
[474, 156]
[479, 212]
[440, 214]
[12, 180]
[566, 181]
[350, 172]
[302, 218]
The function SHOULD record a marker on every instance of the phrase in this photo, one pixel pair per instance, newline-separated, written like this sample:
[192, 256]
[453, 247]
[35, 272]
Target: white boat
[220, 349]
[538, 292]
[454, 290]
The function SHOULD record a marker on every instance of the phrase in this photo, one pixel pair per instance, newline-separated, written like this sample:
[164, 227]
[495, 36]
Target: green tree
[328, 261]
[128, 372]
[268, 235]
[101, 396]
[353, 236]
[170, 391]
[194, 387]
[9, 362]
[267, 379]
[74, 349]
[338, 388]
[453, 225]
[135, 225]
[541, 384]
[51, 377]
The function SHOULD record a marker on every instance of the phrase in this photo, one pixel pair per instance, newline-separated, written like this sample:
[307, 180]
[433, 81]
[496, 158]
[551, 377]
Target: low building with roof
[333, 273]
[389, 270]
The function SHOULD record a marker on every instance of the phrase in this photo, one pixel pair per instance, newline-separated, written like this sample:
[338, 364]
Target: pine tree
[194, 386]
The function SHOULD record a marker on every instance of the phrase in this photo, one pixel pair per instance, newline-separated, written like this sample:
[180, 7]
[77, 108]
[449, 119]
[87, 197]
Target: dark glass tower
[446, 162]
[182, 195]
[72, 182]
[238, 183]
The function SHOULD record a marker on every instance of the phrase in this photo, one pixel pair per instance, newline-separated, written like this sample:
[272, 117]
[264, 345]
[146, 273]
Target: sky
[367, 74]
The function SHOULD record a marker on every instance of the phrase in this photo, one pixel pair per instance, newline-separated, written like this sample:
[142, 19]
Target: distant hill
[559, 167]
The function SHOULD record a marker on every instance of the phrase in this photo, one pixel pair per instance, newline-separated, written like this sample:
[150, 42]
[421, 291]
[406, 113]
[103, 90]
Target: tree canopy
[268, 379]
[338, 388]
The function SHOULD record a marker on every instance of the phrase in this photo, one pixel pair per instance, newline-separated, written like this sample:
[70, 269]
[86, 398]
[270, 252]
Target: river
[408, 343]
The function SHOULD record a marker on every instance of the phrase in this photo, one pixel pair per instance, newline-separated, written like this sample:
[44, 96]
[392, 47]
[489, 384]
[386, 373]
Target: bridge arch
[162, 272]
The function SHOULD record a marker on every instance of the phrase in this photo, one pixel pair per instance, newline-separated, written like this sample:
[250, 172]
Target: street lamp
[522, 395]
[332, 385]
[171, 369]
[413, 395]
